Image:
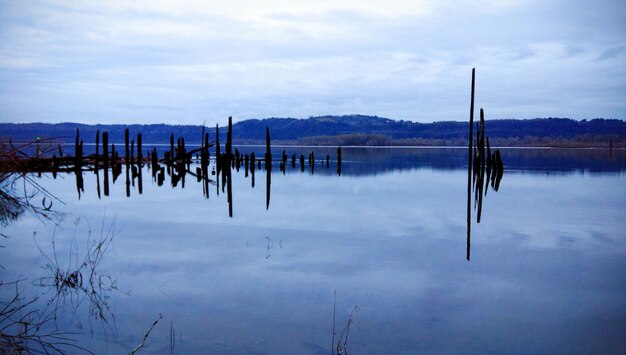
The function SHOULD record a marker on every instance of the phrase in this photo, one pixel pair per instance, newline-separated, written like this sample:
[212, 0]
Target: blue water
[547, 272]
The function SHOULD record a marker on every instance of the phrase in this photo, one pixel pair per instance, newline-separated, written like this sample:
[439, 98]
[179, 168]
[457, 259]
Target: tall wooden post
[470, 165]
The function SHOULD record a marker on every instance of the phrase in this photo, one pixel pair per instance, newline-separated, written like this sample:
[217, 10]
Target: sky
[194, 62]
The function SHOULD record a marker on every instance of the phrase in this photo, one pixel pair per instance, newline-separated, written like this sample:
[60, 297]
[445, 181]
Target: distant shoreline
[345, 131]
[5, 140]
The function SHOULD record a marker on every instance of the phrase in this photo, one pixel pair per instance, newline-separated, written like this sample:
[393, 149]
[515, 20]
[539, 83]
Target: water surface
[547, 272]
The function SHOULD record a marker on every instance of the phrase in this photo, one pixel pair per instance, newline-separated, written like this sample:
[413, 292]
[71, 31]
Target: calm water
[547, 272]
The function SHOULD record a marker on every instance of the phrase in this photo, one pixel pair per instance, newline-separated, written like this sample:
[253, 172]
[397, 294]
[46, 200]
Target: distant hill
[349, 130]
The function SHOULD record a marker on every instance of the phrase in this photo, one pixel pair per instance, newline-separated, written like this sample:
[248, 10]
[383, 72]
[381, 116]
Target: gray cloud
[196, 61]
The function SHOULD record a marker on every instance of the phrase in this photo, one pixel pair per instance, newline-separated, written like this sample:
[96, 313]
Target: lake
[379, 253]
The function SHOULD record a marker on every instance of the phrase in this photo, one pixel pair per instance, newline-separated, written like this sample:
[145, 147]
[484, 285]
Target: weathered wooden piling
[126, 148]
[154, 158]
[105, 158]
[268, 167]
[218, 164]
[115, 171]
[105, 149]
[252, 166]
[97, 155]
[55, 166]
[469, 165]
[78, 162]
[229, 156]
[268, 152]
[172, 151]
[229, 139]
[204, 163]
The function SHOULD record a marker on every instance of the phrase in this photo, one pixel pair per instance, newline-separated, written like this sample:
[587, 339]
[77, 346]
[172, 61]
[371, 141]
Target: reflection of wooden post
[105, 156]
[105, 149]
[205, 164]
[161, 176]
[55, 166]
[139, 164]
[339, 160]
[268, 152]
[229, 155]
[113, 162]
[481, 144]
[481, 173]
[469, 166]
[500, 166]
[78, 160]
[252, 166]
[283, 164]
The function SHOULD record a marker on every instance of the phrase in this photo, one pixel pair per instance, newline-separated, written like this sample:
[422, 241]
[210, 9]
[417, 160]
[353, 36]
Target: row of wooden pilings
[176, 162]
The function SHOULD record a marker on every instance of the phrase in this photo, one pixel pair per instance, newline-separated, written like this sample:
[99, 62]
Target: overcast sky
[189, 62]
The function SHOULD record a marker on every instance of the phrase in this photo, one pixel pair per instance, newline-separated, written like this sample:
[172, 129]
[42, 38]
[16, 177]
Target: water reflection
[483, 169]
[407, 242]
[362, 162]
[177, 162]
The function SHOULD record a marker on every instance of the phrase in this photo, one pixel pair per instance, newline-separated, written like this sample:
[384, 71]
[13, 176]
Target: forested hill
[348, 130]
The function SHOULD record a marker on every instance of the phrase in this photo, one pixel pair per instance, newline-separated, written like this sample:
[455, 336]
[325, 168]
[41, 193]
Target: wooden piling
[470, 165]
[126, 148]
[139, 164]
[268, 167]
[105, 149]
[105, 156]
[218, 163]
[97, 155]
[339, 160]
